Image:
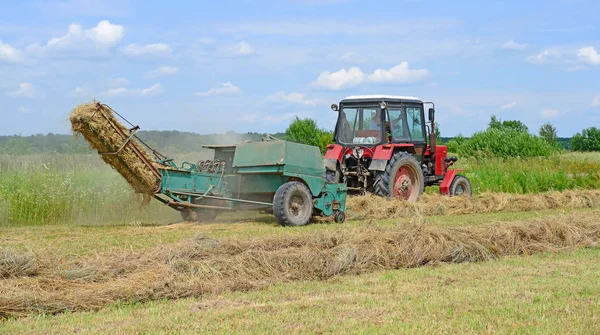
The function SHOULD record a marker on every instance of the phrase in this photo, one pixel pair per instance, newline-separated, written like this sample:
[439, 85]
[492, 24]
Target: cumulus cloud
[138, 92]
[512, 45]
[9, 54]
[241, 49]
[589, 55]
[227, 88]
[596, 101]
[291, 98]
[77, 41]
[340, 79]
[343, 78]
[83, 91]
[400, 73]
[26, 90]
[155, 49]
[544, 57]
[161, 71]
[549, 113]
[509, 105]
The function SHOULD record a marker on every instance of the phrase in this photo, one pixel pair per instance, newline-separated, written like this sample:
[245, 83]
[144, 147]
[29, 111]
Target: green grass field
[74, 211]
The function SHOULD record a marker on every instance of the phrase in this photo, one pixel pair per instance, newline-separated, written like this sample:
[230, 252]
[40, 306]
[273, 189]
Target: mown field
[78, 254]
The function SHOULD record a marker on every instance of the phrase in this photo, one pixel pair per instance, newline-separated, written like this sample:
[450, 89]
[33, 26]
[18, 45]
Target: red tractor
[381, 147]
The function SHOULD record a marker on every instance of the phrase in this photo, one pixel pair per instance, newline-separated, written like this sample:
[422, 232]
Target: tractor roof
[380, 97]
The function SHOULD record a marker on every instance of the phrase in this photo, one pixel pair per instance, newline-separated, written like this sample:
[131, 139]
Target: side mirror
[431, 114]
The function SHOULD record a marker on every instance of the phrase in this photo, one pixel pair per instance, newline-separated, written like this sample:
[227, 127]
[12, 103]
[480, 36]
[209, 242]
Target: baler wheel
[461, 186]
[292, 204]
[402, 178]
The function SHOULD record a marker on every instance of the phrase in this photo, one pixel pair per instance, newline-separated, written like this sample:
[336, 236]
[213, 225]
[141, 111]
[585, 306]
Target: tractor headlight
[383, 105]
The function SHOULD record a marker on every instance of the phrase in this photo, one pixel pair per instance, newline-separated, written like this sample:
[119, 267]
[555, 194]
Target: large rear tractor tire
[292, 204]
[461, 186]
[402, 178]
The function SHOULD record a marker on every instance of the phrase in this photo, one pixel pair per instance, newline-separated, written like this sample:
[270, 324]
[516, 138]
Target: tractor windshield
[406, 124]
[359, 126]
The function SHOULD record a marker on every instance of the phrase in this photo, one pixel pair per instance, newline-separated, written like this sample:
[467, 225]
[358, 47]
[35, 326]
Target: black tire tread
[458, 179]
[281, 197]
[381, 184]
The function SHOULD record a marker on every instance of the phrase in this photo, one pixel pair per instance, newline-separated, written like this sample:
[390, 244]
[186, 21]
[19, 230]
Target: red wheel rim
[404, 183]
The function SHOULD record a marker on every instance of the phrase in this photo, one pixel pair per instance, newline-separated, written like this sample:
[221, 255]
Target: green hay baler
[273, 176]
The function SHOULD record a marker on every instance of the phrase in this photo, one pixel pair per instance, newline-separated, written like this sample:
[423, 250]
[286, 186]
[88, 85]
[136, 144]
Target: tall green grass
[503, 143]
[52, 189]
[532, 175]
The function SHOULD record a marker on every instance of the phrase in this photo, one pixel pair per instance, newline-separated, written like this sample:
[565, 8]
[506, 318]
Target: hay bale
[99, 126]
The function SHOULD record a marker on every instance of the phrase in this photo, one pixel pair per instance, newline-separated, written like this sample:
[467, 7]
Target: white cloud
[549, 113]
[80, 41]
[544, 57]
[512, 45]
[139, 92]
[161, 71]
[26, 90]
[241, 49]
[589, 55]
[155, 49]
[400, 73]
[24, 110]
[291, 98]
[9, 54]
[227, 88]
[596, 101]
[343, 78]
[509, 105]
[340, 79]
[83, 91]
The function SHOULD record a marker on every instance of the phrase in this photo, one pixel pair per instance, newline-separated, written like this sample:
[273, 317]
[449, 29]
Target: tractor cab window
[406, 124]
[415, 123]
[359, 126]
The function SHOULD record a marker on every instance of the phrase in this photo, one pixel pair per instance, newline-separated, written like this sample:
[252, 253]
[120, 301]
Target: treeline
[167, 142]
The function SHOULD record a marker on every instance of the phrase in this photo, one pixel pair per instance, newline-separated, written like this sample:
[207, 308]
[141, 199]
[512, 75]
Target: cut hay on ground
[93, 120]
[374, 207]
[14, 264]
[201, 265]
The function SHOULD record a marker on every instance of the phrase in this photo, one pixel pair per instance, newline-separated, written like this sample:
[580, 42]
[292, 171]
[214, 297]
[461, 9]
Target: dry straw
[96, 122]
[373, 207]
[201, 265]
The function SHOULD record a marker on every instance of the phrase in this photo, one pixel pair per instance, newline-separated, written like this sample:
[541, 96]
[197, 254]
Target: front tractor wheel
[292, 204]
[402, 178]
[461, 186]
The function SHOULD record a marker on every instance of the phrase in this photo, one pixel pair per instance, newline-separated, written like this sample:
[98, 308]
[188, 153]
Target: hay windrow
[198, 266]
[374, 207]
[93, 121]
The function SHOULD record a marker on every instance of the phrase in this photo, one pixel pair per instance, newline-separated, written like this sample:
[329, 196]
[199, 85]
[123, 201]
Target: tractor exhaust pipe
[432, 137]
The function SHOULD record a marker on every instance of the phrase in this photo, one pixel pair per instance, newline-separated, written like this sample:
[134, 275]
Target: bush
[306, 131]
[505, 143]
[587, 140]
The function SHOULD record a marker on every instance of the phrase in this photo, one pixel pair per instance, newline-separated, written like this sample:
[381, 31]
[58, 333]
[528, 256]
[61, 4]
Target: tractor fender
[330, 164]
[447, 181]
[384, 152]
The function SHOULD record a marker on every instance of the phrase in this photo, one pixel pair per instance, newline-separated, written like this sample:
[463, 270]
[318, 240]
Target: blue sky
[214, 66]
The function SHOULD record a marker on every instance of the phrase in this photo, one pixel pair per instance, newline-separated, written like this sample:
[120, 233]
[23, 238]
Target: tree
[306, 131]
[548, 132]
[510, 125]
[587, 140]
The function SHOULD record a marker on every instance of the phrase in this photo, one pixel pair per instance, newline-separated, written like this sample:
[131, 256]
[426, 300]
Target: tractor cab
[385, 145]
